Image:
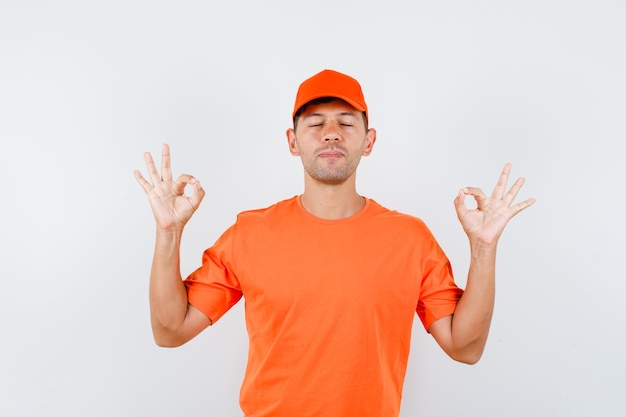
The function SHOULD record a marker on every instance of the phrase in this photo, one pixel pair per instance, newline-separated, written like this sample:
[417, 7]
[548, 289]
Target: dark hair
[321, 100]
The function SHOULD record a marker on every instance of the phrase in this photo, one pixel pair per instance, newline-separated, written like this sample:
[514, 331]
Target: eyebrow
[343, 113]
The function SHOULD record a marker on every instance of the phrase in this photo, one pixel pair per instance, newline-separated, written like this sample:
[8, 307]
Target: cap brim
[309, 99]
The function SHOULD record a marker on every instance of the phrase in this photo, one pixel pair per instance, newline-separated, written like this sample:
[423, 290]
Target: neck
[331, 201]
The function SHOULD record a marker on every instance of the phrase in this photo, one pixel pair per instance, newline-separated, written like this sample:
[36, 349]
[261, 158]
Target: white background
[455, 88]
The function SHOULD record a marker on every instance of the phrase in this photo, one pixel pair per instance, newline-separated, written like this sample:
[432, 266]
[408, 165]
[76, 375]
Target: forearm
[472, 317]
[463, 335]
[168, 296]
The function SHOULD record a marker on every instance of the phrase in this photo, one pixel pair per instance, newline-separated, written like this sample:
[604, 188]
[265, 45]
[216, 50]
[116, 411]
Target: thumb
[198, 193]
[459, 203]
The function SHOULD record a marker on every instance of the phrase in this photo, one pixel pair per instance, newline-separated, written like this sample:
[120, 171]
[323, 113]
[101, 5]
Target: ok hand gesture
[486, 223]
[171, 208]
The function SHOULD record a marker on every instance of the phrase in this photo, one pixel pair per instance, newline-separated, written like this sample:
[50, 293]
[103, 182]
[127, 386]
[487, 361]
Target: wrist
[479, 246]
[168, 238]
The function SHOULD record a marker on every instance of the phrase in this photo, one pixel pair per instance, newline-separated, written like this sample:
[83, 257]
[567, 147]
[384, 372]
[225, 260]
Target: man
[332, 280]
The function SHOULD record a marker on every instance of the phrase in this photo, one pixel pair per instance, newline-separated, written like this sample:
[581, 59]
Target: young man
[332, 280]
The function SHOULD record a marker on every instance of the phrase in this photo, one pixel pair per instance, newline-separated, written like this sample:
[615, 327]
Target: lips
[331, 153]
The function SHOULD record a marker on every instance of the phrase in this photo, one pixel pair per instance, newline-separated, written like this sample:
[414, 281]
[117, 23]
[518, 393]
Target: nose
[331, 131]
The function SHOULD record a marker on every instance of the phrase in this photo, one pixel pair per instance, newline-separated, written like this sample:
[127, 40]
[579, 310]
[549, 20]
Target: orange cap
[329, 83]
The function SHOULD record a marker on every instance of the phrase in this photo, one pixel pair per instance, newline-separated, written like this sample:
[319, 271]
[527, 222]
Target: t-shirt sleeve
[439, 294]
[213, 288]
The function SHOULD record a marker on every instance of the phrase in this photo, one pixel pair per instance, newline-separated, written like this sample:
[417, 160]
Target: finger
[512, 193]
[198, 192]
[197, 196]
[142, 181]
[181, 182]
[477, 193]
[152, 171]
[521, 206]
[166, 167]
[459, 204]
[500, 187]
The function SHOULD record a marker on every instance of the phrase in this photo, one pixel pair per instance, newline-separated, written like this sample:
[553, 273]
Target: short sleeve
[213, 288]
[439, 294]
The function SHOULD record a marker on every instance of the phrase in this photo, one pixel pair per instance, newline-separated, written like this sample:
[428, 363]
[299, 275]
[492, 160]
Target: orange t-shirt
[329, 305]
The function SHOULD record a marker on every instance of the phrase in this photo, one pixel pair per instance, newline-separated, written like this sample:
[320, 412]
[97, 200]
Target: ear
[370, 139]
[291, 141]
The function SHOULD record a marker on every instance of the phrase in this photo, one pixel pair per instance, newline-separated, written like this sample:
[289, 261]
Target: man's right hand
[171, 208]
[174, 320]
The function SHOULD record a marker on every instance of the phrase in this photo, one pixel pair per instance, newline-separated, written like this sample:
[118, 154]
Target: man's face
[330, 139]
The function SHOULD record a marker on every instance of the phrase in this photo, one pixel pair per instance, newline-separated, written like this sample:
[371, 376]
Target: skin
[463, 335]
[330, 140]
[174, 321]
